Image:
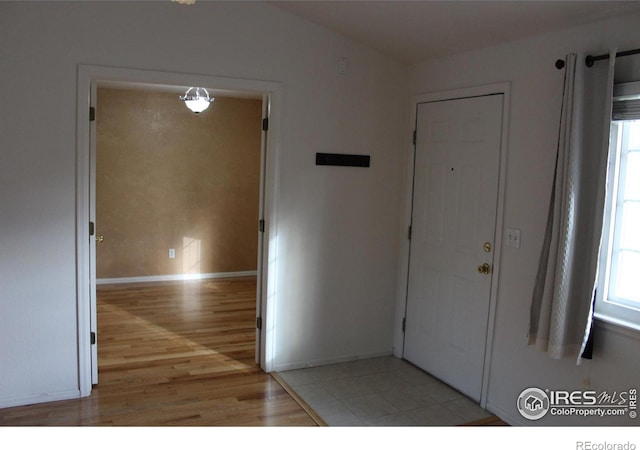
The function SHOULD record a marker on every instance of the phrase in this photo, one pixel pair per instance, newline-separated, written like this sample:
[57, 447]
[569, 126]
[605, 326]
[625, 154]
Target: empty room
[417, 214]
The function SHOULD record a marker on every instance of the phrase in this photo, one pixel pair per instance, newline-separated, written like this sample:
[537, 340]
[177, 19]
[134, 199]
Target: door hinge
[409, 232]
[93, 338]
[415, 137]
[265, 124]
[261, 225]
[259, 323]
[92, 228]
[404, 324]
[92, 114]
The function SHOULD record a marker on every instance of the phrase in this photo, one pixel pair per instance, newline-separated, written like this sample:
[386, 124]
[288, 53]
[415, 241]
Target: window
[618, 292]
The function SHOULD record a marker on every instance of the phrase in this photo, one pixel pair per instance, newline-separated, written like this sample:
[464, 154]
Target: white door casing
[93, 234]
[455, 205]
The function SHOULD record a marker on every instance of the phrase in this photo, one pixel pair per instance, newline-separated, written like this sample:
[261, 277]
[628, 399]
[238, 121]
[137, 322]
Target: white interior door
[457, 167]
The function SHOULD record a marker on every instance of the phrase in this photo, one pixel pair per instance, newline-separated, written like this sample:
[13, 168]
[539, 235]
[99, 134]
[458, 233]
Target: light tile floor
[383, 391]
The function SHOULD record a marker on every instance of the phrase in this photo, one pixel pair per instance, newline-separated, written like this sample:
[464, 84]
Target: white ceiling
[418, 30]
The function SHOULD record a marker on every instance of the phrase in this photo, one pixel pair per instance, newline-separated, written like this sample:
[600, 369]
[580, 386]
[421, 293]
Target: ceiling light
[197, 99]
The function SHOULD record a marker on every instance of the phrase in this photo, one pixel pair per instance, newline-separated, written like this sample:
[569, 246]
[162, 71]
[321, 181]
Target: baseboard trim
[178, 277]
[323, 362]
[506, 417]
[39, 398]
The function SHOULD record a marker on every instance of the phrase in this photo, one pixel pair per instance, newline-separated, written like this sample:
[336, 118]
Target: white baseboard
[178, 277]
[39, 398]
[506, 417]
[323, 362]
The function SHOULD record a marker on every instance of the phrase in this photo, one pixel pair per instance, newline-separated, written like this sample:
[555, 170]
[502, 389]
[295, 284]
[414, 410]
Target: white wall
[337, 254]
[338, 227]
[536, 91]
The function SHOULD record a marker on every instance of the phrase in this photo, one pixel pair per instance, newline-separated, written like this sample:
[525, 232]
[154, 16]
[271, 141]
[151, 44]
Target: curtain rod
[589, 60]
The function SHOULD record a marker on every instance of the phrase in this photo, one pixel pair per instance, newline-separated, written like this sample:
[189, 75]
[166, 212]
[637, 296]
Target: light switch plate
[513, 237]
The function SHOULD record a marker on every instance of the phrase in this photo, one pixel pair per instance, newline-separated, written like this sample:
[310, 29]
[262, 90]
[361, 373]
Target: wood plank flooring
[174, 354]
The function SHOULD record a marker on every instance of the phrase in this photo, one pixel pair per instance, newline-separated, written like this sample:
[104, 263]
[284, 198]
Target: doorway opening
[189, 255]
[176, 205]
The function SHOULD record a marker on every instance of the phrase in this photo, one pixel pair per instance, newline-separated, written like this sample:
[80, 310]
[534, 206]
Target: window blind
[626, 109]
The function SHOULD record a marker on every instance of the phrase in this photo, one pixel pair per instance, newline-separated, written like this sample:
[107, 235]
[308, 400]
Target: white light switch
[513, 237]
[172, 253]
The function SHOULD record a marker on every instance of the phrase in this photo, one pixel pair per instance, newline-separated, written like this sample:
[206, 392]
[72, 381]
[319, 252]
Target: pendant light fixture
[197, 99]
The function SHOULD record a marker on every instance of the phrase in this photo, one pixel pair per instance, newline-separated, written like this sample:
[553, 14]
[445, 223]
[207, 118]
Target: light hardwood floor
[174, 354]
[178, 354]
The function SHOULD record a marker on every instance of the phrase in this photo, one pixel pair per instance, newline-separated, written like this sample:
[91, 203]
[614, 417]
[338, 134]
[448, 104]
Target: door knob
[485, 268]
[100, 238]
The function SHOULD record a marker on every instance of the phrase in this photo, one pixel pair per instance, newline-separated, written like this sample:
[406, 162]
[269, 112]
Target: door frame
[503, 88]
[87, 78]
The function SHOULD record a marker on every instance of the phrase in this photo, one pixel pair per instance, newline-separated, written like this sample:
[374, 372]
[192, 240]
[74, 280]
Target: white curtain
[561, 307]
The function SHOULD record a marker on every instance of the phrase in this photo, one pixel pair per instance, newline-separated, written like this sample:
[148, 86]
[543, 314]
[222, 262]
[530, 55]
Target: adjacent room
[177, 205]
[177, 192]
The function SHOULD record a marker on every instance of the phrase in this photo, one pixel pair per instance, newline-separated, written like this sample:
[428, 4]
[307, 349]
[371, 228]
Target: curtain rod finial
[559, 64]
[589, 61]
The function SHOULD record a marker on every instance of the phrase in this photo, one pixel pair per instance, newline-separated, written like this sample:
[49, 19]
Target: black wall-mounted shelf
[339, 159]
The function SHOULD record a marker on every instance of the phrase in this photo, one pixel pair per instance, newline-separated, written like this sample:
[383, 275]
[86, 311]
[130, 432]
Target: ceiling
[418, 30]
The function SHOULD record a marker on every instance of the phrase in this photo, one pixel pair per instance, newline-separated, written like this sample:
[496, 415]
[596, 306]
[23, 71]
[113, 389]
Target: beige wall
[168, 178]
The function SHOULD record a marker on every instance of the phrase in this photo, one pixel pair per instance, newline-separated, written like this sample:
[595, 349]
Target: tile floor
[383, 391]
